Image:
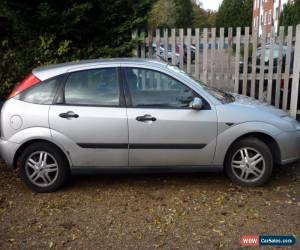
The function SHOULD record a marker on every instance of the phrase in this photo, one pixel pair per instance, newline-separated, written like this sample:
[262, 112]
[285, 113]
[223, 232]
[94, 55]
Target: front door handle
[145, 118]
[69, 114]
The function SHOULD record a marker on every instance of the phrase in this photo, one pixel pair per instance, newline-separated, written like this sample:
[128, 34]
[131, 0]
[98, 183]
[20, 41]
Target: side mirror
[197, 103]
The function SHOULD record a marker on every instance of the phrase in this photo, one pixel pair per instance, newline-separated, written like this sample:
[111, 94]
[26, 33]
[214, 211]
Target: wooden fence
[230, 59]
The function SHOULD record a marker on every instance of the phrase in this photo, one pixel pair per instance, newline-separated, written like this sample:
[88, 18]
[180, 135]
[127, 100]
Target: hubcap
[41, 168]
[248, 164]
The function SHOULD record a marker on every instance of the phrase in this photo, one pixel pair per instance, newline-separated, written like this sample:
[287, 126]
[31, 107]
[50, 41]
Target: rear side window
[42, 93]
[93, 87]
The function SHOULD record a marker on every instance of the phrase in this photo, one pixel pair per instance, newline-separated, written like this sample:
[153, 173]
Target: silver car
[138, 115]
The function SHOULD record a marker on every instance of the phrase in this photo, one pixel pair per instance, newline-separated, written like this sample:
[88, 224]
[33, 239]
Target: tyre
[43, 167]
[249, 162]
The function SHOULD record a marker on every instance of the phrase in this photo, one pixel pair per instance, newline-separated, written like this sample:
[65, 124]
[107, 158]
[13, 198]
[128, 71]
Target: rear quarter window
[98, 87]
[43, 93]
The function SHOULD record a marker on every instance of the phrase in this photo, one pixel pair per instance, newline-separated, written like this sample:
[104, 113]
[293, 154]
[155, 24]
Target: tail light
[27, 83]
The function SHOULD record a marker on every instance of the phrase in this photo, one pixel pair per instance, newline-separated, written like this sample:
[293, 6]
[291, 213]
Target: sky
[211, 4]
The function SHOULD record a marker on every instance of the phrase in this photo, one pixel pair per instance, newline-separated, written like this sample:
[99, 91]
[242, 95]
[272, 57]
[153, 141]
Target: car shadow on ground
[281, 176]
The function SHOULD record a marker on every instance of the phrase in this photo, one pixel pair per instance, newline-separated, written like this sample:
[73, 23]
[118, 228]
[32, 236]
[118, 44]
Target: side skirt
[146, 170]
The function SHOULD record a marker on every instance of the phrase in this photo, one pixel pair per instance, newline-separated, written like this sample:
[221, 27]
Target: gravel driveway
[178, 211]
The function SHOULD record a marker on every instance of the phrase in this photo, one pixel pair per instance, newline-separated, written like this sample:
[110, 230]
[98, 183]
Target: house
[266, 13]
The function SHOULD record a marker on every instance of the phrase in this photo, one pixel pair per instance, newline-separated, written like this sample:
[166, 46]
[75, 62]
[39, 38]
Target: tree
[234, 13]
[290, 15]
[40, 32]
[162, 14]
[184, 13]
[171, 14]
[203, 18]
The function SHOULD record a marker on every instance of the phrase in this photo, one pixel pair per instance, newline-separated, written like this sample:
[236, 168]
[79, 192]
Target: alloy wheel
[248, 164]
[41, 168]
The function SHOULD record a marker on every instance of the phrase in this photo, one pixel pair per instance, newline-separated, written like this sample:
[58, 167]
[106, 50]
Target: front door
[163, 129]
[90, 121]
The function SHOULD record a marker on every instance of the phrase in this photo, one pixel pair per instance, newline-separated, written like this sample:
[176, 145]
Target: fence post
[270, 70]
[228, 59]
[166, 44]
[212, 55]
[237, 60]
[205, 49]
[220, 82]
[157, 39]
[262, 65]
[173, 41]
[296, 72]
[279, 66]
[188, 49]
[197, 54]
[253, 71]
[287, 67]
[181, 49]
[158, 56]
[245, 70]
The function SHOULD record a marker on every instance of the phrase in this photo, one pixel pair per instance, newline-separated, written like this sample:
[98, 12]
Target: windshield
[221, 95]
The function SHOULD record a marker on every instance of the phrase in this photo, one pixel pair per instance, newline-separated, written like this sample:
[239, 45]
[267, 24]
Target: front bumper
[289, 144]
[8, 150]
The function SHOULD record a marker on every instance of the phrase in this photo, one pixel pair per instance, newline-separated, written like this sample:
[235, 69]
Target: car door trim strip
[166, 146]
[141, 145]
[103, 145]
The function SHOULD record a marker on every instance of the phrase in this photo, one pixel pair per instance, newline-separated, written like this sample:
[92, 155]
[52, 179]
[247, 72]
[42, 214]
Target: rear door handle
[69, 114]
[145, 118]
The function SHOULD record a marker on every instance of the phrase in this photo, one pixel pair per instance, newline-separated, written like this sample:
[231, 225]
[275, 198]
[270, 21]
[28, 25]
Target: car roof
[49, 71]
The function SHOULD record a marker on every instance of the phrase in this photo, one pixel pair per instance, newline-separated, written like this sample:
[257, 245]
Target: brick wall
[268, 14]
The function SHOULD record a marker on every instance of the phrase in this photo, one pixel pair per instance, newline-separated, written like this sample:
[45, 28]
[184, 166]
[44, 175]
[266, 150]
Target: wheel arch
[21, 149]
[267, 139]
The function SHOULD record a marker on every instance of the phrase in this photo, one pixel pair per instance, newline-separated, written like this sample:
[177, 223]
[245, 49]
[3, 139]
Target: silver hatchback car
[135, 115]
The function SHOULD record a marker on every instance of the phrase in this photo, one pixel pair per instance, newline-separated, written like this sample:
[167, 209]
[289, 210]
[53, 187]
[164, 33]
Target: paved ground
[190, 211]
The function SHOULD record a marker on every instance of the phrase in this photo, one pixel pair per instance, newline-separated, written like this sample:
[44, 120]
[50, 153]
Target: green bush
[290, 15]
[34, 33]
[235, 13]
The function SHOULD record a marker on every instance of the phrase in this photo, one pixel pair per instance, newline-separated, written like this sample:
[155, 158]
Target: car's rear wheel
[249, 162]
[43, 167]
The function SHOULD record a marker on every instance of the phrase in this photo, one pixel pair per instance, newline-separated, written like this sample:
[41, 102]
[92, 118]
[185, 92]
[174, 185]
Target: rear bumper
[8, 151]
[289, 143]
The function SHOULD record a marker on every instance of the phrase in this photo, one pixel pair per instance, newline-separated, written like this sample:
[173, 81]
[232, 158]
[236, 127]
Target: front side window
[93, 87]
[42, 93]
[150, 88]
[222, 96]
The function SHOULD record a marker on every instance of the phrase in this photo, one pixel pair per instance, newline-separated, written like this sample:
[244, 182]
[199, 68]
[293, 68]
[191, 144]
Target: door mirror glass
[197, 103]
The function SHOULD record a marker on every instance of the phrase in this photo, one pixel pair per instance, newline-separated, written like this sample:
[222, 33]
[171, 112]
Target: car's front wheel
[249, 162]
[43, 167]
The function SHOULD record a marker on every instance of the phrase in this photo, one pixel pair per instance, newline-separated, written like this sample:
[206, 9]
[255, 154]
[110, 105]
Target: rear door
[89, 119]
[163, 129]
